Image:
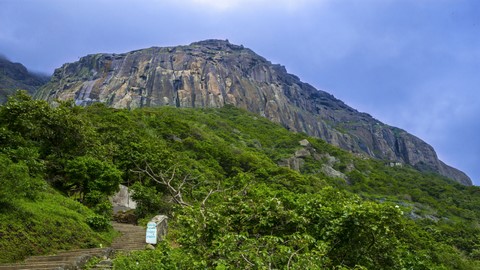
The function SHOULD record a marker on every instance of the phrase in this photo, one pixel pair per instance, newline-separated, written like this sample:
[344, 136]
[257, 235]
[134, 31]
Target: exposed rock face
[122, 200]
[14, 76]
[214, 73]
[297, 161]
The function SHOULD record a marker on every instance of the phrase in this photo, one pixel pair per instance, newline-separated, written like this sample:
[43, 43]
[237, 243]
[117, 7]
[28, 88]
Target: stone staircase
[131, 238]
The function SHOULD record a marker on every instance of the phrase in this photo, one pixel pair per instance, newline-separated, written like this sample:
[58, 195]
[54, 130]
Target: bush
[92, 178]
[98, 223]
[16, 182]
[160, 258]
[149, 201]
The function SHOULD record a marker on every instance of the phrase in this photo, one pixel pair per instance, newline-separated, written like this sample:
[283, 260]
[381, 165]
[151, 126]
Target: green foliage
[149, 201]
[35, 143]
[255, 217]
[215, 172]
[55, 134]
[265, 229]
[52, 222]
[92, 263]
[91, 178]
[162, 258]
[98, 223]
[16, 181]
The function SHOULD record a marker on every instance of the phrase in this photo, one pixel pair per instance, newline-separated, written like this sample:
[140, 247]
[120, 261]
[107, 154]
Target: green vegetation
[49, 223]
[215, 173]
[37, 145]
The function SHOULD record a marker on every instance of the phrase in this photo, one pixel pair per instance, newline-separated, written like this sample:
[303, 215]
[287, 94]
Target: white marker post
[151, 235]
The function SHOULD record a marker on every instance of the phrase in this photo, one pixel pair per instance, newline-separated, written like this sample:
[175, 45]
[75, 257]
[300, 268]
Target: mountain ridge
[214, 73]
[15, 76]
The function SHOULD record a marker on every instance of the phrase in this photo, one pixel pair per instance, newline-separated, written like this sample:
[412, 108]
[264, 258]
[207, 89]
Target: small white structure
[156, 229]
[151, 235]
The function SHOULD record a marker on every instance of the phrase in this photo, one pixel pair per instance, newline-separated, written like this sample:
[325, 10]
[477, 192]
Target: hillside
[43, 222]
[35, 218]
[14, 76]
[244, 193]
[215, 73]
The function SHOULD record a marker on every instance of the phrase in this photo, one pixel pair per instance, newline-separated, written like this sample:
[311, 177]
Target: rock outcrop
[14, 76]
[214, 73]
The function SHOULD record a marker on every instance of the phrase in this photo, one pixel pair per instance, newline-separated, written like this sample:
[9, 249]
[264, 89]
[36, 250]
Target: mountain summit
[214, 73]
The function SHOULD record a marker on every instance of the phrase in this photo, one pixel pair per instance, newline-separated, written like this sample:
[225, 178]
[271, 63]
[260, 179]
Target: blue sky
[414, 64]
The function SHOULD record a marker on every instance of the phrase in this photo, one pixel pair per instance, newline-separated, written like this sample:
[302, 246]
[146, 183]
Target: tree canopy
[242, 192]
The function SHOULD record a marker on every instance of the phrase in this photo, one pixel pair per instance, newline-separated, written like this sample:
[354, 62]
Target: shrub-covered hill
[242, 192]
[48, 223]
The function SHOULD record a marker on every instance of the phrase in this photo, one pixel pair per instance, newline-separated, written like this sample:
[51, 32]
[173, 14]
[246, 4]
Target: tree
[16, 181]
[87, 175]
[58, 134]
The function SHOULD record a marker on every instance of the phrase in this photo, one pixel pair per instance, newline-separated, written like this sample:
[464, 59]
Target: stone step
[66, 256]
[130, 248]
[131, 238]
[129, 242]
[35, 266]
[128, 245]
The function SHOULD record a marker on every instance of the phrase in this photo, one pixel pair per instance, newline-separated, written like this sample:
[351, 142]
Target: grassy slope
[52, 222]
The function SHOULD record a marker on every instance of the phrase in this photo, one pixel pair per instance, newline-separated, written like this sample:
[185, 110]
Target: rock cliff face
[14, 76]
[214, 73]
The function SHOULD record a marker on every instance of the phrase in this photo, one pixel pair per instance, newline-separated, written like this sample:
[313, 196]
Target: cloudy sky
[414, 64]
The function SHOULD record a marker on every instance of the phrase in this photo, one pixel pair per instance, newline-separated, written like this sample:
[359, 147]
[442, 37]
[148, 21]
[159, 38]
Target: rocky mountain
[214, 73]
[14, 76]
